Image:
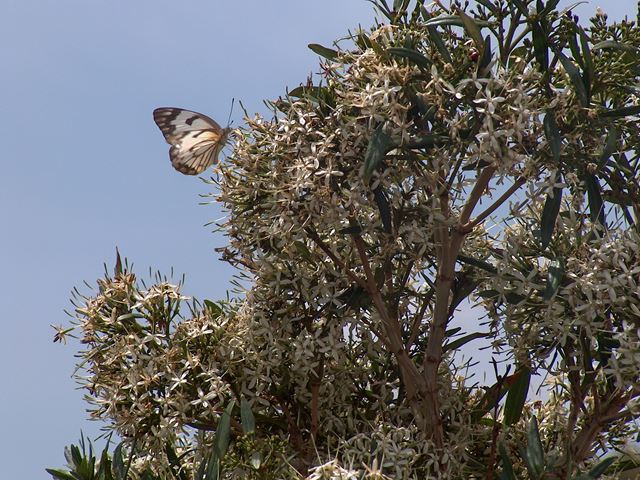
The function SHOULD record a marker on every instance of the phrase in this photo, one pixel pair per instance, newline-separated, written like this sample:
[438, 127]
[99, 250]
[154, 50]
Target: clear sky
[85, 169]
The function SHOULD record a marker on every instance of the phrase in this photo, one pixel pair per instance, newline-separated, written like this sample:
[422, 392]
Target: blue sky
[85, 169]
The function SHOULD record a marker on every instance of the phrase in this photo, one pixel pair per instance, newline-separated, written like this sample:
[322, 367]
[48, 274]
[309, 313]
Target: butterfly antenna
[233, 100]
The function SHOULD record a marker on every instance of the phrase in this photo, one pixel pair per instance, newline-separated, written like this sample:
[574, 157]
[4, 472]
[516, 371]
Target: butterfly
[196, 140]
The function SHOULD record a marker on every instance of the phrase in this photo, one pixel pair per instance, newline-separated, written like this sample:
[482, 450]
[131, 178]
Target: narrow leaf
[487, 55]
[472, 29]
[616, 46]
[555, 275]
[119, 467]
[494, 394]
[575, 77]
[174, 461]
[383, 207]
[507, 466]
[476, 262]
[540, 46]
[223, 432]
[413, 56]
[352, 230]
[247, 418]
[596, 206]
[325, 52]
[621, 112]
[587, 61]
[439, 43]
[601, 467]
[213, 466]
[59, 474]
[609, 145]
[552, 133]
[521, 7]
[459, 342]
[380, 144]
[425, 141]
[516, 397]
[534, 454]
[454, 20]
[549, 216]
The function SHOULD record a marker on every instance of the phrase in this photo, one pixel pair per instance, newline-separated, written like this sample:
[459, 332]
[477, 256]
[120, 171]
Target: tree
[449, 156]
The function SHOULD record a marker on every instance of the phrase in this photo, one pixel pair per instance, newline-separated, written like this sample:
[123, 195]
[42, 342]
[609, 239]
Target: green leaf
[607, 44]
[601, 467]
[516, 397]
[380, 144]
[472, 29]
[587, 61]
[213, 308]
[320, 95]
[487, 55]
[104, 468]
[521, 7]
[507, 466]
[596, 206]
[213, 466]
[465, 283]
[609, 145]
[440, 45]
[246, 416]
[459, 342]
[76, 456]
[552, 132]
[59, 474]
[223, 432]
[383, 207]
[174, 462]
[494, 394]
[413, 56]
[575, 77]
[119, 468]
[425, 141]
[201, 470]
[549, 216]
[305, 90]
[621, 112]
[325, 52]
[533, 455]
[351, 230]
[555, 275]
[540, 46]
[454, 20]
[476, 262]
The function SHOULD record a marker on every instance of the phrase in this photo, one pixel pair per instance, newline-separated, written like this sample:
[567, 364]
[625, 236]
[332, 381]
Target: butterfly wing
[196, 140]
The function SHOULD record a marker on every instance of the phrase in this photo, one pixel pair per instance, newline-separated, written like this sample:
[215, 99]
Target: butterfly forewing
[195, 139]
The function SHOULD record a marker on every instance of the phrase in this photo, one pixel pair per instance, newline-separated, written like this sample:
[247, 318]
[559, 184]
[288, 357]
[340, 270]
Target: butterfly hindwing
[195, 139]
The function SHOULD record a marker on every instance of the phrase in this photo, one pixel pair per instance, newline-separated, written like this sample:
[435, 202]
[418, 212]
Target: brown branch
[413, 381]
[417, 320]
[469, 226]
[594, 426]
[450, 244]
[315, 381]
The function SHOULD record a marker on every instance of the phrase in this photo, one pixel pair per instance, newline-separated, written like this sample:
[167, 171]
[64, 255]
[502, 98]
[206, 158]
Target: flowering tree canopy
[447, 158]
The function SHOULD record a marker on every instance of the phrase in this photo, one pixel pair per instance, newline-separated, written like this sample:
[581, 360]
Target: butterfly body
[196, 140]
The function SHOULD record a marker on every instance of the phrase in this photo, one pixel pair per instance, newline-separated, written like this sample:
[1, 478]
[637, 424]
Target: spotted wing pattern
[196, 140]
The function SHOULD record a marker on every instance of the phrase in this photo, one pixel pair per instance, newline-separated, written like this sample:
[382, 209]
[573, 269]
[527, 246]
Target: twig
[469, 226]
[339, 263]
